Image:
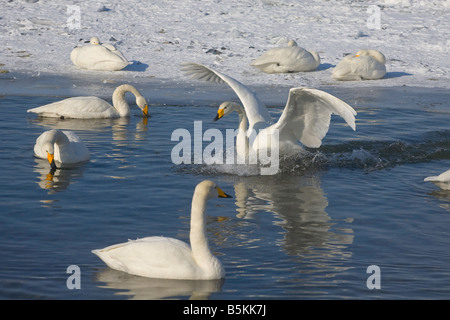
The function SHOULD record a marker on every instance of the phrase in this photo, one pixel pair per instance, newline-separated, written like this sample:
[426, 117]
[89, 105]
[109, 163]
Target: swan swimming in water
[168, 258]
[287, 59]
[306, 117]
[442, 180]
[98, 56]
[63, 148]
[93, 107]
[365, 65]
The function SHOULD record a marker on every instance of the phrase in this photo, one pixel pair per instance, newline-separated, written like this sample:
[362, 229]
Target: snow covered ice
[157, 36]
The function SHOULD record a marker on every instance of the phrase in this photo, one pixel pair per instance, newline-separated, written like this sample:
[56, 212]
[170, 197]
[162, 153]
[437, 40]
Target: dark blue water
[309, 232]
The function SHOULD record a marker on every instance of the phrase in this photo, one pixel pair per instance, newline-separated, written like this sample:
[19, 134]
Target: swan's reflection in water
[140, 288]
[118, 126]
[298, 205]
[280, 229]
[56, 180]
[443, 195]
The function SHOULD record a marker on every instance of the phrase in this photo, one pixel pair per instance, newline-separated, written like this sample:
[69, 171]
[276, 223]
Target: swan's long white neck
[198, 239]
[243, 121]
[241, 138]
[255, 111]
[119, 101]
[59, 144]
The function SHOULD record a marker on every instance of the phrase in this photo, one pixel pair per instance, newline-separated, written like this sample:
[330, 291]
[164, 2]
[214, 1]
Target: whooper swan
[93, 107]
[168, 258]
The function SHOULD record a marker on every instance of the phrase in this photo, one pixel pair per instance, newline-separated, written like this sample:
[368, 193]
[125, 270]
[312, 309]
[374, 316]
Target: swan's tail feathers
[201, 72]
[443, 177]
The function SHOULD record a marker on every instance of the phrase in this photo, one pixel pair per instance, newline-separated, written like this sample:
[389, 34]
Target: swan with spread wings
[306, 117]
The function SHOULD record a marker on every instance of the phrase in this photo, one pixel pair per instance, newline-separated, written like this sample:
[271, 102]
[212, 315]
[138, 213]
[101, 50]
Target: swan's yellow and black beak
[145, 111]
[219, 114]
[51, 160]
[222, 194]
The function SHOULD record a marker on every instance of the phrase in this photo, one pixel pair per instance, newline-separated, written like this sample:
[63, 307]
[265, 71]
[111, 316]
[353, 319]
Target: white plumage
[365, 65]
[287, 59]
[98, 56]
[168, 258]
[65, 148]
[306, 117]
[93, 107]
[442, 180]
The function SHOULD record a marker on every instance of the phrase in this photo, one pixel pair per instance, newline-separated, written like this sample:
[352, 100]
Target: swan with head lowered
[93, 107]
[169, 258]
[98, 56]
[306, 117]
[365, 65]
[287, 59]
[61, 148]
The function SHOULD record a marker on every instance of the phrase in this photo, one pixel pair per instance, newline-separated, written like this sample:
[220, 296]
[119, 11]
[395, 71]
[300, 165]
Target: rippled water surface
[309, 232]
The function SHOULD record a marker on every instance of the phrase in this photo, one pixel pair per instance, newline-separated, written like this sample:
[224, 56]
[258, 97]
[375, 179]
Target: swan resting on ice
[365, 65]
[98, 56]
[93, 107]
[442, 180]
[61, 148]
[287, 59]
[168, 258]
[306, 117]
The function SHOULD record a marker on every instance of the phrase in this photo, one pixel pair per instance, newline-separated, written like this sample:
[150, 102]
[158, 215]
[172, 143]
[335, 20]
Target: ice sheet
[37, 37]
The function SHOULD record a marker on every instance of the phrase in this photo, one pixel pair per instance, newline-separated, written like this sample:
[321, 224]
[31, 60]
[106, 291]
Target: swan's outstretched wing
[257, 113]
[307, 116]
